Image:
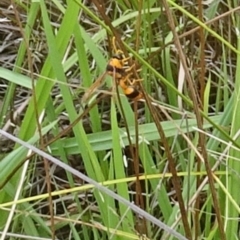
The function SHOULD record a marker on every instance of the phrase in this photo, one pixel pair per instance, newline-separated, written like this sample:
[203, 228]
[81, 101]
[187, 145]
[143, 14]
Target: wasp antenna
[114, 45]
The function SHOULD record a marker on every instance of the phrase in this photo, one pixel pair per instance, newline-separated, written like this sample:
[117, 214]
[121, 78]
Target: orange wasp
[117, 68]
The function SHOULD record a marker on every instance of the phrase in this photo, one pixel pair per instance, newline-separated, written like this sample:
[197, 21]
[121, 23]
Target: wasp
[119, 69]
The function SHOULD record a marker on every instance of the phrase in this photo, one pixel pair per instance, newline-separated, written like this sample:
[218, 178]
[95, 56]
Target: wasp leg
[123, 82]
[128, 69]
[117, 51]
[134, 81]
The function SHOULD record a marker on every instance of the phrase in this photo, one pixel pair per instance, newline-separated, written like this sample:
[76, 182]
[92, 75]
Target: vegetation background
[170, 160]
